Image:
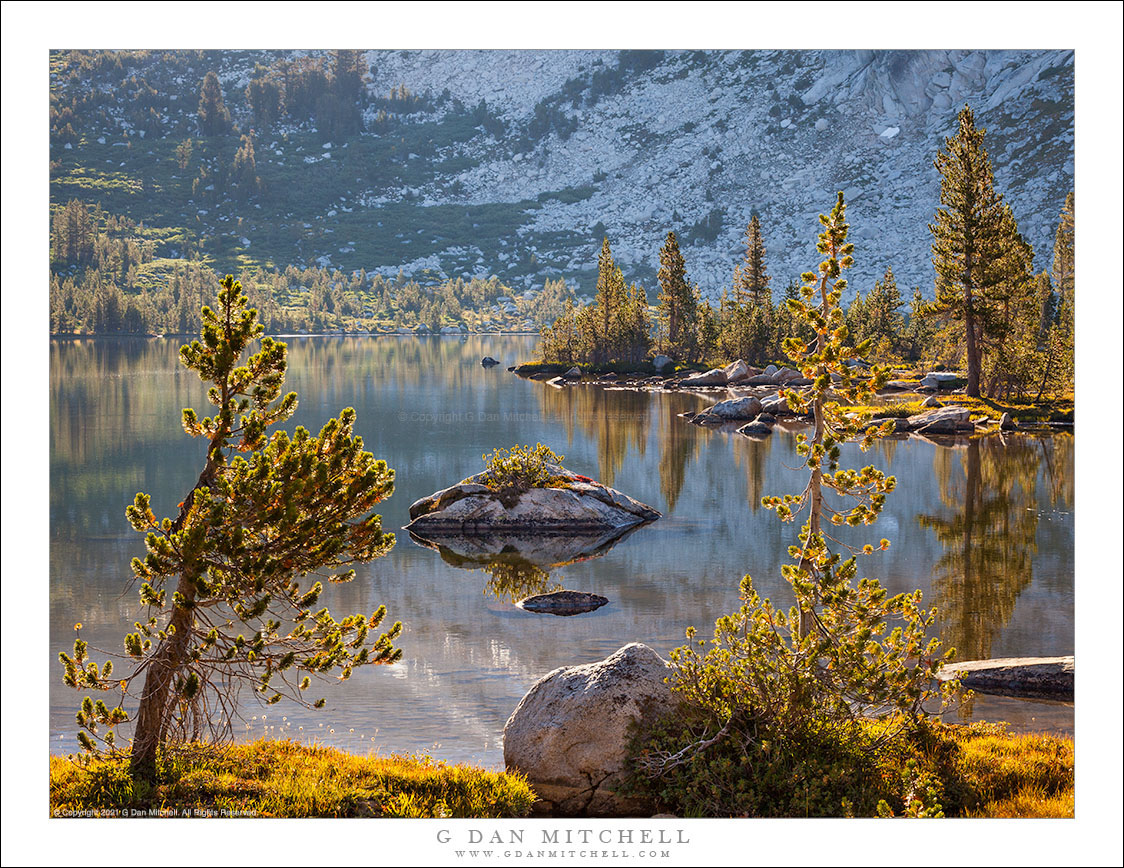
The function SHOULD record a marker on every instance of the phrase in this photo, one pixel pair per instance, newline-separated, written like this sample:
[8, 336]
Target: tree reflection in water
[520, 565]
[989, 531]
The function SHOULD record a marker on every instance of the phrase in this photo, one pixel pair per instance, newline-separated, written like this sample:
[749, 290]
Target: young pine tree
[791, 690]
[225, 583]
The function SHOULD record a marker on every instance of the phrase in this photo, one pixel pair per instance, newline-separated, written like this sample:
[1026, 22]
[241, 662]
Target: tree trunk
[152, 717]
[165, 664]
[972, 347]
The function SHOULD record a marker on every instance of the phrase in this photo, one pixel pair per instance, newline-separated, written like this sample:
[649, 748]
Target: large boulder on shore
[737, 372]
[730, 410]
[575, 503]
[940, 380]
[569, 735]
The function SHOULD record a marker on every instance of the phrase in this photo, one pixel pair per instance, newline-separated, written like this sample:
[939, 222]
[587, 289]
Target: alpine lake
[983, 526]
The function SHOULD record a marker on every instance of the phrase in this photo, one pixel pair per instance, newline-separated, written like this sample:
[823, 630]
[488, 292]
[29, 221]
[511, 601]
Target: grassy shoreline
[280, 778]
[998, 774]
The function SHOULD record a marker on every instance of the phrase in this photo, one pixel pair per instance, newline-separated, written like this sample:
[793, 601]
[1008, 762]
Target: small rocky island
[569, 502]
[523, 515]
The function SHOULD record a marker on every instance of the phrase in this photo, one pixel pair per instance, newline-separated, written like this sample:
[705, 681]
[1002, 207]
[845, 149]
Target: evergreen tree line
[106, 278]
[153, 92]
[1012, 328]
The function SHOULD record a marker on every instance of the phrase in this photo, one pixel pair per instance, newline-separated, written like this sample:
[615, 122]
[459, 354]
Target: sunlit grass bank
[285, 779]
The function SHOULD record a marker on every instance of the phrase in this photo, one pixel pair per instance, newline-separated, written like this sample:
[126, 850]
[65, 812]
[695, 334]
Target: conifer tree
[977, 251]
[224, 582]
[919, 328]
[1064, 252]
[1057, 372]
[214, 119]
[781, 686]
[608, 305]
[876, 317]
[751, 280]
[677, 311]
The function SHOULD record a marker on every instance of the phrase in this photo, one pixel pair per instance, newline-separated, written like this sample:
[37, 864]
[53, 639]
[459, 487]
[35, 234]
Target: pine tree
[608, 305]
[1064, 253]
[746, 315]
[877, 317]
[751, 281]
[977, 251]
[214, 119]
[677, 311]
[1058, 362]
[266, 512]
[774, 683]
[919, 328]
[243, 172]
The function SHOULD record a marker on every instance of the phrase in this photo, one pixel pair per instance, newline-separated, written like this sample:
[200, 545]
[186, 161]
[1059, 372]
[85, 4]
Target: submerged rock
[756, 429]
[563, 603]
[570, 734]
[488, 362]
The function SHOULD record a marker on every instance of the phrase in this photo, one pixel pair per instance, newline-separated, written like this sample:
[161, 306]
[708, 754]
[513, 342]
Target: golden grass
[285, 779]
[1013, 775]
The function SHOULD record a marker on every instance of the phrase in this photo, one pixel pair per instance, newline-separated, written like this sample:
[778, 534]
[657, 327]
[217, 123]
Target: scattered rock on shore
[942, 420]
[730, 410]
[713, 377]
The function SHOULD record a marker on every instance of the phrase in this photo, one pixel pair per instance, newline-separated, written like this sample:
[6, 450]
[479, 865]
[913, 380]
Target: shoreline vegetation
[982, 770]
[999, 332]
[899, 403]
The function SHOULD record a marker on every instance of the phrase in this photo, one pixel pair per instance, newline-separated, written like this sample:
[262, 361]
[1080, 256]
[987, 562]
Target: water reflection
[431, 410]
[617, 419]
[989, 532]
[520, 565]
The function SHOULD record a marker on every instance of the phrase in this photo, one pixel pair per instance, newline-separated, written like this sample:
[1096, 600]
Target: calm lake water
[985, 529]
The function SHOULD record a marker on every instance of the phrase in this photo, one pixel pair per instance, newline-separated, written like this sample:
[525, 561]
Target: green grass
[285, 779]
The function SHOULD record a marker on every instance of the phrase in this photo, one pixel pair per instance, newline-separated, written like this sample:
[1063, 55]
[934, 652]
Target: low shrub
[520, 468]
[927, 770]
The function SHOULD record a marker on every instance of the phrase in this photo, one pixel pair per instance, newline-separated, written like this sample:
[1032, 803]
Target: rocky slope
[515, 163]
[775, 133]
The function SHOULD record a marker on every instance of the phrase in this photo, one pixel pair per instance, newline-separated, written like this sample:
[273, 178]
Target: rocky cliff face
[517, 163]
[699, 141]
